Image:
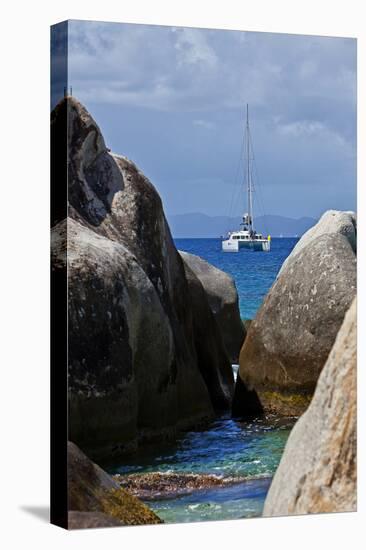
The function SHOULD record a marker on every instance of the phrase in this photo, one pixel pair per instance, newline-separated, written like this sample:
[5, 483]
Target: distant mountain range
[197, 225]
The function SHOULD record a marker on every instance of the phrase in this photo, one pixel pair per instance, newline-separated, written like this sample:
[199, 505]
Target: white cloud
[301, 128]
[193, 48]
[318, 132]
[204, 124]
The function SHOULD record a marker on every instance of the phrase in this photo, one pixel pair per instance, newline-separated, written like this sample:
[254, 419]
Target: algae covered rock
[289, 340]
[318, 470]
[223, 300]
[91, 489]
[154, 485]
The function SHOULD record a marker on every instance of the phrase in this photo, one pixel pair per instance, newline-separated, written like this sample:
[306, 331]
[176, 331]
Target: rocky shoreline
[153, 333]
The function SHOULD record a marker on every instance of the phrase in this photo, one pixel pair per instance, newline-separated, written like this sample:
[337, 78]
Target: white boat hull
[231, 245]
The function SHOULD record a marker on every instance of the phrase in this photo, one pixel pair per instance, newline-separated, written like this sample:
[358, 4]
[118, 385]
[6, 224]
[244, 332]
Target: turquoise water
[228, 448]
[244, 500]
[253, 272]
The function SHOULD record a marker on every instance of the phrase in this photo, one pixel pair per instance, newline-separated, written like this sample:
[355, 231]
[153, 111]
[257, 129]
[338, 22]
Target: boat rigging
[247, 237]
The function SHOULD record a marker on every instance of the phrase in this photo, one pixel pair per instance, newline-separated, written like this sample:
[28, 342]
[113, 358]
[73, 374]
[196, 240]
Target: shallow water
[243, 500]
[227, 448]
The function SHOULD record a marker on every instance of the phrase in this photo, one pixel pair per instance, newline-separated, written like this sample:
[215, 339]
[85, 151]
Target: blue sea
[253, 272]
[227, 447]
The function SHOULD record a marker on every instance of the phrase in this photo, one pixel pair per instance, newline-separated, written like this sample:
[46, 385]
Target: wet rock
[289, 340]
[244, 395]
[317, 472]
[134, 355]
[170, 485]
[91, 489]
[223, 299]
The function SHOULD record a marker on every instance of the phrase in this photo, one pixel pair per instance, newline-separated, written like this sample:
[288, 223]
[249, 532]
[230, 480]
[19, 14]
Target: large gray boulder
[289, 340]
[333, 222]
[122, 384]
[317, 472]
[134, 369]
[213, 360]
[223, 299]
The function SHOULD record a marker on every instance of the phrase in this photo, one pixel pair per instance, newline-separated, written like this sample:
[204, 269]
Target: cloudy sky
[173, 99]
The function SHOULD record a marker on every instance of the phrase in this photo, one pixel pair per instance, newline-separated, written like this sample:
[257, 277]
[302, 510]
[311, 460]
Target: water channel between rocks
[244, 453]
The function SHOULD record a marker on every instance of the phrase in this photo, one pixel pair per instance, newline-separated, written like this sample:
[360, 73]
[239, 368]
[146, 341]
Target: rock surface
[213, 360]
[333, 222]
[91, 489]
[223, 299]
[289, 340]
[134, 355]
[317, 472]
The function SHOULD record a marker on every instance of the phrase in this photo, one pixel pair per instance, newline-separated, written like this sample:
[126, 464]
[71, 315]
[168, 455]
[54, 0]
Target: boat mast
[249, 183]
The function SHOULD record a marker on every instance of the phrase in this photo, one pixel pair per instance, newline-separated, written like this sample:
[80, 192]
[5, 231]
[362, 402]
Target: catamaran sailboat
[246, 236]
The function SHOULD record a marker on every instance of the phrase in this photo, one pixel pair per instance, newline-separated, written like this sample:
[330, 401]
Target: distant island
[196, 225]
